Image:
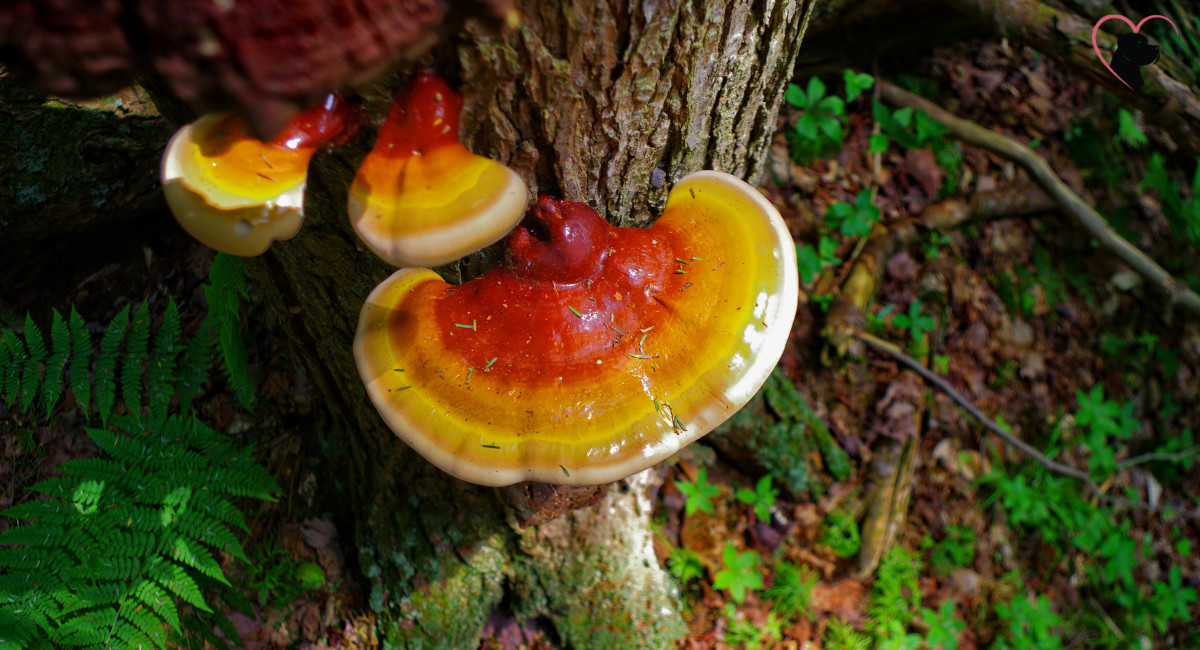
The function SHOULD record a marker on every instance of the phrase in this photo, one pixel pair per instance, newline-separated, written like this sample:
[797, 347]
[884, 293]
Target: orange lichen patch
[592, 352]
[238, 194]
[420, 198]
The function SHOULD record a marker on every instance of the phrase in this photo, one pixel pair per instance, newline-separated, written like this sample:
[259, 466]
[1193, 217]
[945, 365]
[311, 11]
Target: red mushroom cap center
[563, 242]
[424, 115]
[333, 121]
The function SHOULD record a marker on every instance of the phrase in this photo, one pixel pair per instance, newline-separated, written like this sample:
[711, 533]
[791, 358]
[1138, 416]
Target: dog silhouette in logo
[1133, 52]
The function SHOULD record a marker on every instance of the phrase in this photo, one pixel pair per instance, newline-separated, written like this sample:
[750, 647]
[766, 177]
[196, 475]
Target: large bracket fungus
[592, 351]
[420, 198]
[238, 194]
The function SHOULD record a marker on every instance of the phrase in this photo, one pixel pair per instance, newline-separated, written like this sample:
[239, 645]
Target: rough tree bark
[602, 102]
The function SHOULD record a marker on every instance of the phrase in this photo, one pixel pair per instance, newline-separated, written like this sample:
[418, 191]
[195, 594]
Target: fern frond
[177, 581]
[212, 533]
[227, 284]
[87, 628]
[223, 511]
[162, 362]
[99, 469]
[81, 356]
[12, 360]
[37, 354]
[133, 635]
[195, 365]
[152, 595]
[106, 364]
[134, 358]
[123, 536]
[56, 365]
[196, 556]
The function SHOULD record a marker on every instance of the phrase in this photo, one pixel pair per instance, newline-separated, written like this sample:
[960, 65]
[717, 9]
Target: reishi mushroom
[420, 198]
[592, 351]
[238, 194]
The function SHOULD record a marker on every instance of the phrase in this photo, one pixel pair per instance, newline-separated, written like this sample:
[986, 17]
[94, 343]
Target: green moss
[788, 446]
[451, 612]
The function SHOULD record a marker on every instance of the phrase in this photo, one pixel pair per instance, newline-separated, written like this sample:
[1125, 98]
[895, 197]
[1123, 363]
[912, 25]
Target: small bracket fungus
[592, 351]
[238, 194]
[420, 198]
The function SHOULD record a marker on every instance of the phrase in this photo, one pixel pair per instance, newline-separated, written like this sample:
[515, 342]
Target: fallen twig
[1071, 203]
[1050, 464]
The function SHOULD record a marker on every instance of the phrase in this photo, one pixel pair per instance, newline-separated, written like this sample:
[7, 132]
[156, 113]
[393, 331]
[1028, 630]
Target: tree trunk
[606, 103]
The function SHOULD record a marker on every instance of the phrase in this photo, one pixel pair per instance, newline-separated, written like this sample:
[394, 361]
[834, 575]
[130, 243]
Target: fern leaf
[233, 354]
[223, 511]
[162, 362]
[14, 365]
[60, 348]
[134, 636]
[106, 364]
[177, 581]
[212, 533]
[37, 354]
[96, 469]
[134, 358]
[81, 356]
[136, 621]
[7, 363]
[195, 365]
[86, 628]
[227, 283]
[153, 596]
[197, 557]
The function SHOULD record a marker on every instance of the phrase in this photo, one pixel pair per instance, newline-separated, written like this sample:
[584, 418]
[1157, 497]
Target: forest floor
[1029, 322]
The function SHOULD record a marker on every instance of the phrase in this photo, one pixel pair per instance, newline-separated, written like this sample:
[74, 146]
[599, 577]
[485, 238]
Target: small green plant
[699, 493]
[741, 573]
[685, 565]
[818, 131]
[853, 220]
[790, 592]
[941, 364]
[761, 498]
[1128, 131]
[1029, 625]
[856, 83]
[910, 128]
[895, 596]
[1103, 421]
[933, 246]
[272, 573]
[1062, 516]
[812, 261]
[310, 576]
[744, 635]
[840, 534]
[956, 549]
[840, 636]
[914, 321]
[1183, 215]
[943, 627]
[893, 636]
